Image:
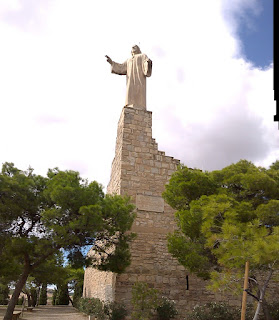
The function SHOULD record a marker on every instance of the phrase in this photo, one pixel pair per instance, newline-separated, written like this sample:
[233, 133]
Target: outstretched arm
[109, 59]
[117, 68]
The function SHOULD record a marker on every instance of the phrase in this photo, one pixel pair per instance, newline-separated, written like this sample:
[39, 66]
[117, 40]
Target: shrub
[4, 294]
[144, 300]
[92, 306]
[20, 301]
[62, 297]
[166, 310]
[34, 296]
[77, 293]
[218, 311]
[115, 311]
[43, 295]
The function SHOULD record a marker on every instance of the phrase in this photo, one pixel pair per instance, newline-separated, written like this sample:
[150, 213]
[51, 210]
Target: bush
[218, 311]
[115, 311]
[92, 306]
[43, 295]
[20, 301]
[62, 297]
[4, 294]
[144, 300]
[166, 310]
[34, 296]
[77, 293]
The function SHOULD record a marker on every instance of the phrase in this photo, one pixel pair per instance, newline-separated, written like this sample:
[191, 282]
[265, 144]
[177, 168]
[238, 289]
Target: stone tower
[141, 171]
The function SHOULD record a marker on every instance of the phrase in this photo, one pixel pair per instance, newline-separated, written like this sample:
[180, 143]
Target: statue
[136, 70]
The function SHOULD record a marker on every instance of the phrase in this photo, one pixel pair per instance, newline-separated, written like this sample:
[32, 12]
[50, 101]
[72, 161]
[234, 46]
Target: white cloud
[239, 12]
[9, 5]
[61, 104]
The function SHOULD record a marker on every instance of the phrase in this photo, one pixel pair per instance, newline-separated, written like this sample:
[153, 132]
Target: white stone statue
[136, 70]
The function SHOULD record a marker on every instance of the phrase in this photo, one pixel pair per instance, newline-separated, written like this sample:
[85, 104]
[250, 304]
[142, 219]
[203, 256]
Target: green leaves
[225, 218]
[269, 213]
[190, 253]
[186, 185]
[144, 300]
[40, 215]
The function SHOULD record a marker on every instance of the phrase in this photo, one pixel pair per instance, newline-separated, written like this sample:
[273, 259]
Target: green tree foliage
[30, 290]
[144, 300]
[166, 309]
[40, 215]
[43, 295]
[77, 284]
[34, 297]
[4, 294]
[225, 218]
[20, 301]
[62, 297]
[92, 306]
[115, 311]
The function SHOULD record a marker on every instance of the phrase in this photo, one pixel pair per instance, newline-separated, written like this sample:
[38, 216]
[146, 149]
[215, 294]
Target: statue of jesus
[136, 69]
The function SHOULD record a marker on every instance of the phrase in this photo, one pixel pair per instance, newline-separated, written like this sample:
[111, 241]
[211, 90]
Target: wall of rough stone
[141, 171]
[144, 172]
[114, 185]
[99, 284]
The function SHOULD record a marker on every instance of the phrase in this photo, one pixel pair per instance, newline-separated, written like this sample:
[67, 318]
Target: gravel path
[51, 313]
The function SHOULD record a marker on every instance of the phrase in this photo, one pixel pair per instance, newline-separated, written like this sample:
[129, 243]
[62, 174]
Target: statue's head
[135, 50]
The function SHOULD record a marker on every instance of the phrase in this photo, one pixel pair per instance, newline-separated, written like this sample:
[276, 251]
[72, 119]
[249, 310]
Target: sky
[210, 93]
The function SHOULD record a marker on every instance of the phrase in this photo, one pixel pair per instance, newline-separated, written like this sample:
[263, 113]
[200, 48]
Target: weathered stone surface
[99, 284]
[149, 203]
[141, 171]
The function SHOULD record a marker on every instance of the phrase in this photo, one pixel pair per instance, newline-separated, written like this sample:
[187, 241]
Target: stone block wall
[99, 284]
[141, 171]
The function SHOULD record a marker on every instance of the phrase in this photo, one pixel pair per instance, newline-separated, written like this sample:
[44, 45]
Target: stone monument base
[141, 171]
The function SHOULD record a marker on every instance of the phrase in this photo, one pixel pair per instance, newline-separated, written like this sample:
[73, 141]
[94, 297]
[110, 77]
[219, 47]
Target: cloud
[61, 104]
[47, 119]
[229, 119]
[9, 6]
[239, 15]
[29, 16]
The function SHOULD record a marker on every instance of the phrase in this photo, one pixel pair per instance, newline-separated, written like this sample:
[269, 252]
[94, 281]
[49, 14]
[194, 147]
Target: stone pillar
[141, 171]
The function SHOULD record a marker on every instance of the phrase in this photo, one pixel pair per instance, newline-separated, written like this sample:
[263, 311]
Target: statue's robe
[136, 70]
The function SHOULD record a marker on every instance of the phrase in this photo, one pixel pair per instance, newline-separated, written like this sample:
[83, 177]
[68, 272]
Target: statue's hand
[109, 60]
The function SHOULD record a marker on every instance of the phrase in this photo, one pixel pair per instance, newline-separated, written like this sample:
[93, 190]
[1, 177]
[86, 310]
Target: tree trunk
[262, 293]
[20, 284]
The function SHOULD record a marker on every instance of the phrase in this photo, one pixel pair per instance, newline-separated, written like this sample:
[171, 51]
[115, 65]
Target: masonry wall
[144, 171]
[141, 171]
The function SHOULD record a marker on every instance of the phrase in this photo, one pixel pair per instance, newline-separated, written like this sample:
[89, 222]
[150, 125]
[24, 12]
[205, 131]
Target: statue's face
[135, 50]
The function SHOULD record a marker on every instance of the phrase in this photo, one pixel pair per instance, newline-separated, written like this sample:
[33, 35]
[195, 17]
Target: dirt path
[50, 313]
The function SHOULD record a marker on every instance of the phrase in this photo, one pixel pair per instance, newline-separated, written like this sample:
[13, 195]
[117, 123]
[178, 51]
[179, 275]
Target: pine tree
[225, 218]
[77, 293]
[62, 297]
[43, 295]
[42, 215]
[34, 296]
